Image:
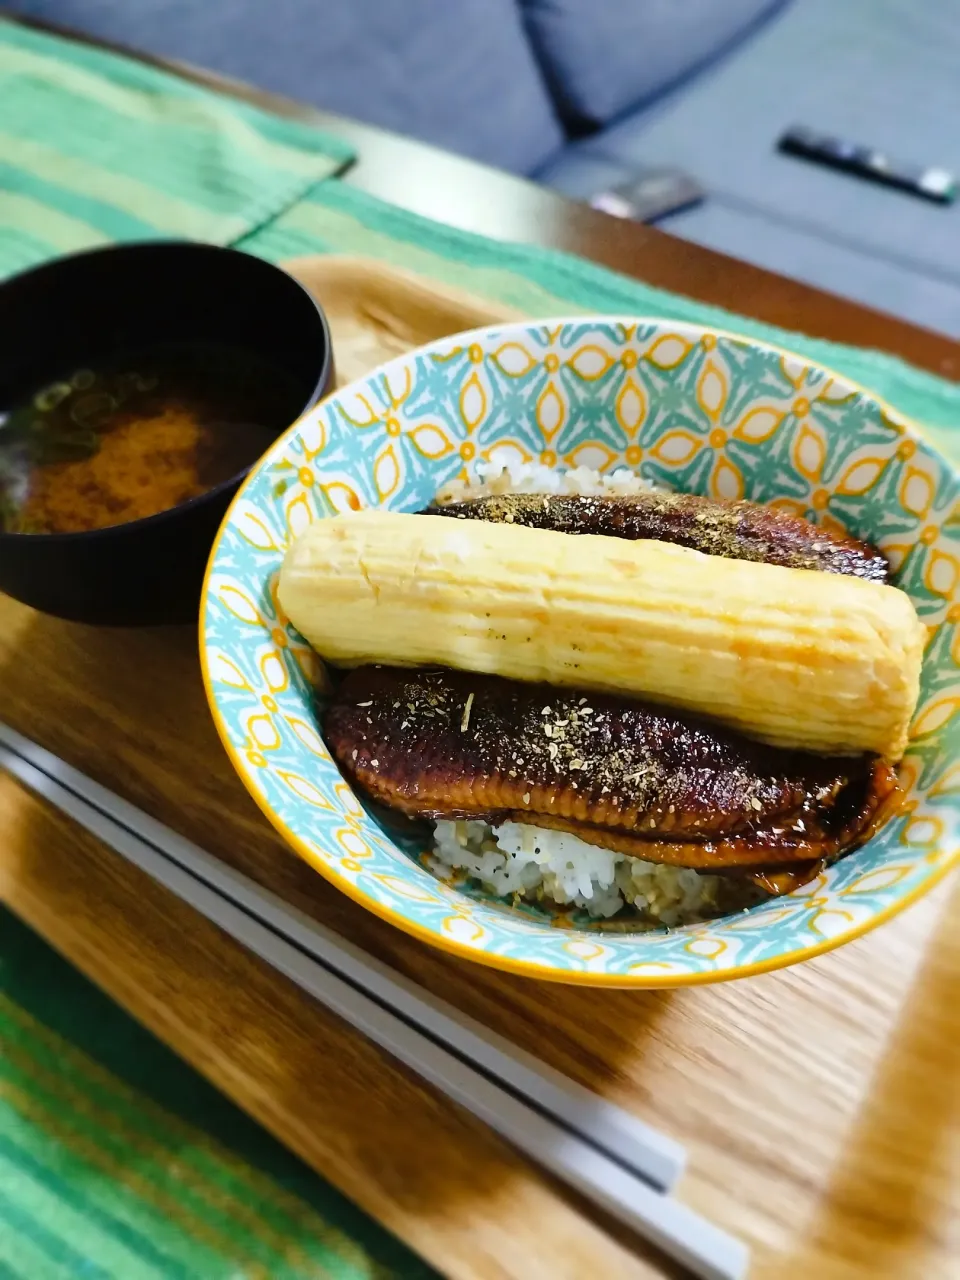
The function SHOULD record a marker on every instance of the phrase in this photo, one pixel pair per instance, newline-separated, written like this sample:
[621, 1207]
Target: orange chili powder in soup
[137, 436]
[140, 468]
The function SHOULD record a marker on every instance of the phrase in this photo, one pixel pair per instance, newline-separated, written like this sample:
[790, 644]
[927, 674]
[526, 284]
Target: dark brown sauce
[136, 434]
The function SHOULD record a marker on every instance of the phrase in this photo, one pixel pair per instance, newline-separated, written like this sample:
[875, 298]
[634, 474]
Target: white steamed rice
[554, 867]
[534, 477]
[535, 864]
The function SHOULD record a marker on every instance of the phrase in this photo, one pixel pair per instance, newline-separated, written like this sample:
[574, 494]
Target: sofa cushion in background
[460, 75]
[878, 72]
[602, 57]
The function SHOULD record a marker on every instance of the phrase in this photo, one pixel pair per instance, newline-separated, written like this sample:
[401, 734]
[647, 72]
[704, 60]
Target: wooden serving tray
[377, 312]
[820, 1105]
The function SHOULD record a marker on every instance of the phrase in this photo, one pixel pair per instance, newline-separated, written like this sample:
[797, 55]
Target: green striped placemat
[334, 218]
[117, 1161]
[96, 147]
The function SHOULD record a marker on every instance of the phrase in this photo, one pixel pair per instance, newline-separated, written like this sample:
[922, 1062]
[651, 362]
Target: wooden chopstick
[578, 1137]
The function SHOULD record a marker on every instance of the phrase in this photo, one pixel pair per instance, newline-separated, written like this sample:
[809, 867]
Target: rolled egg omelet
[790, 656]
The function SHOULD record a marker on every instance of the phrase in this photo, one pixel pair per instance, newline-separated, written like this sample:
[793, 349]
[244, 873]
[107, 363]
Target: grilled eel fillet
[617, 773]
[734, 530]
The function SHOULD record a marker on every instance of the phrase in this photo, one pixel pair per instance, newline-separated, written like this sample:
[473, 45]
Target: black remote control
[867, 162]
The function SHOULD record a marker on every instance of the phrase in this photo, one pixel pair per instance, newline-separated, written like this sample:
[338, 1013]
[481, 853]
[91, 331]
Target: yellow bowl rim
[462, 950]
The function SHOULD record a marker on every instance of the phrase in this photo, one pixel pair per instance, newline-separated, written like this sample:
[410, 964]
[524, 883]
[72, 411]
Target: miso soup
[135, 434]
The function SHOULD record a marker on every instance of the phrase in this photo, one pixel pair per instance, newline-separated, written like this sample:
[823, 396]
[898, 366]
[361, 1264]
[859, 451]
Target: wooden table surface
[820, 1105]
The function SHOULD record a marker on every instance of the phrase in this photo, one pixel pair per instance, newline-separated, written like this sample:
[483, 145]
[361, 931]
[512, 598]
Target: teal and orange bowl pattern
[690, 409]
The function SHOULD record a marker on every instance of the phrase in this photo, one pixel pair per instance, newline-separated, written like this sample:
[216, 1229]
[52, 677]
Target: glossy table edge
[478, 198]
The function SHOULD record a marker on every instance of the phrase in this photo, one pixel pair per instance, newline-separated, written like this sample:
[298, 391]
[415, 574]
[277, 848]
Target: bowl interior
[690, 409]
[76, 310]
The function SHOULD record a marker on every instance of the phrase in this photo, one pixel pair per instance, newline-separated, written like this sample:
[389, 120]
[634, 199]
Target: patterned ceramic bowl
[706, 412]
